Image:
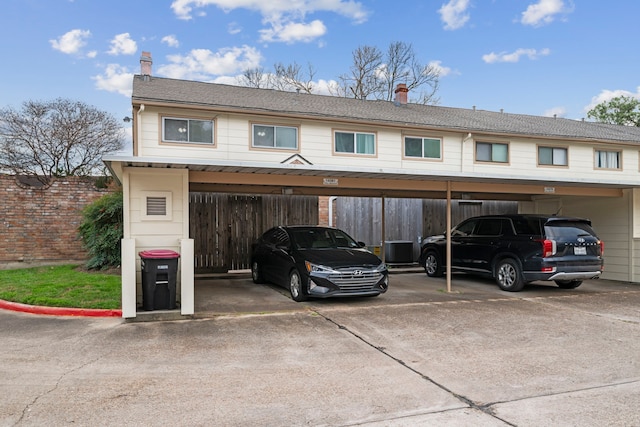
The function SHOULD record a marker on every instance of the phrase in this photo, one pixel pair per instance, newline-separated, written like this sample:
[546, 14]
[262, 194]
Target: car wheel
[568, 284]
[432, 264]
[256, 273]
[295, 286]
[509, 275]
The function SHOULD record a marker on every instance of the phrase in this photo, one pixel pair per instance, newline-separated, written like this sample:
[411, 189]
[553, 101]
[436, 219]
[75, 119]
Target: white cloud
[532, 54]
[234, 28]
[293, 32]
[555, 112]
[203, 64]
[122, 44]
[171, 40]
[606, 95]
[442, 71]
[284, 19]
[543, 12]
[71, 42]
[115, 78]
[454, 14]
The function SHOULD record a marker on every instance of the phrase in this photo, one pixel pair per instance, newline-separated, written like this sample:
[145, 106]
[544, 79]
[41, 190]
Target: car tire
[256, 272]
[432, 264]
[568, 284]
[508, 275]
[295, 286]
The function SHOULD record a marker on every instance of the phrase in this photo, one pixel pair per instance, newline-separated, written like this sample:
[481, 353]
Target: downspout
[137, 144]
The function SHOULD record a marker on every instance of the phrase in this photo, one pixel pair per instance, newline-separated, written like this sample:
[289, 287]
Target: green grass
[61, 286]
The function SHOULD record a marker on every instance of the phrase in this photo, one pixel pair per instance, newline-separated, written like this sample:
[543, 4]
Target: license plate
[580, 250]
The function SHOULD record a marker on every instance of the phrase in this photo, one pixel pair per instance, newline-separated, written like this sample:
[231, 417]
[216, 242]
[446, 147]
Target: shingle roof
[185, 92]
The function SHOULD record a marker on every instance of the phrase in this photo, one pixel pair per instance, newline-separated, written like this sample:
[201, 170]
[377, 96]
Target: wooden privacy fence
[224, 226]
[408, 219]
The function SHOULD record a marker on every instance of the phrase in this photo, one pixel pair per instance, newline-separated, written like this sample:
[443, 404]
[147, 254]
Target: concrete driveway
[414, 356]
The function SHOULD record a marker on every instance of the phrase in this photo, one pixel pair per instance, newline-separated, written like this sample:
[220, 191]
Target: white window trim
[156, 194]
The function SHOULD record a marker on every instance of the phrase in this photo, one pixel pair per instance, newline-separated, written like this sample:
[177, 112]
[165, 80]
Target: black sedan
[313, 261]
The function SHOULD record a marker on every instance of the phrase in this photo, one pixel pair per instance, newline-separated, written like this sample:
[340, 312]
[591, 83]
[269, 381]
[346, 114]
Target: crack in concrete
[465, 400]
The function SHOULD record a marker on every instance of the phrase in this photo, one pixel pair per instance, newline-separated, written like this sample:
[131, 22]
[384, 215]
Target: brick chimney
[401, 94]
[145, 63]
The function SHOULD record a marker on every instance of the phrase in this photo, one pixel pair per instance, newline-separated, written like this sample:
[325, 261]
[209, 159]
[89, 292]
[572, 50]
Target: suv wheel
[432, 264]
[508, 275]
[568, 284]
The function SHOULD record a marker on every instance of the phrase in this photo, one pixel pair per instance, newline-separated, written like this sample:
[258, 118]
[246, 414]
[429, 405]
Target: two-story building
[195, 136]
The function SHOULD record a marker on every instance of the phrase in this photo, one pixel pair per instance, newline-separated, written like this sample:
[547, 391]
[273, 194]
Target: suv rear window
[568, 229]
[531, 226]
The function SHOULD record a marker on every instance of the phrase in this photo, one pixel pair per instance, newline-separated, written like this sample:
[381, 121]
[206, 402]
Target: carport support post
[448, 234]
[382, 231]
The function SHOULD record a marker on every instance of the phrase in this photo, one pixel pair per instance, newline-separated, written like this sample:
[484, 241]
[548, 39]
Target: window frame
[163, 139]
[355, 133]
[252, 145]
[604, 150]
[422, 138]
[492, 161]
[553, 147]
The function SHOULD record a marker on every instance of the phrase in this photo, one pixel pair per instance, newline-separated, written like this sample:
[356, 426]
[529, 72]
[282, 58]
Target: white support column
[186, 277]
[128, 266]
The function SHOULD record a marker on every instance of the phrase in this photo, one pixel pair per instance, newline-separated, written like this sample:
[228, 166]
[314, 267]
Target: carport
[302, 179]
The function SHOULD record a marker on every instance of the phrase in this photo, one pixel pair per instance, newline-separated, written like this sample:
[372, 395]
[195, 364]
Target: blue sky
[538, 57]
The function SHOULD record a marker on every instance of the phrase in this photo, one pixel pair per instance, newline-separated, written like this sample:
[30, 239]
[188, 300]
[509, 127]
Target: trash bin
[159, 276]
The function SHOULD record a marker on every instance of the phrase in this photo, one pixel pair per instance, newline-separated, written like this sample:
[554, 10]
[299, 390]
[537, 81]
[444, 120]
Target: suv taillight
[548, 247]
[601, 248]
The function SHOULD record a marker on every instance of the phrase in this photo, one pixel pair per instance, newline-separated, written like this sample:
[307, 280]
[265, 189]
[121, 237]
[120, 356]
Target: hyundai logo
[581, 239]
[357, 272]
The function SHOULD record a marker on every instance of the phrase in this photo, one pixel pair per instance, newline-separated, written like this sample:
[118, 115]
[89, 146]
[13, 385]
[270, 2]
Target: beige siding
[233, 143]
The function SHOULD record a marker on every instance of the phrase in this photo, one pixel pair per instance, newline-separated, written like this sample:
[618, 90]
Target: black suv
[518, 249]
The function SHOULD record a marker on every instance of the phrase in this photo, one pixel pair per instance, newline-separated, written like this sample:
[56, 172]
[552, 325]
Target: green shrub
[101, 231]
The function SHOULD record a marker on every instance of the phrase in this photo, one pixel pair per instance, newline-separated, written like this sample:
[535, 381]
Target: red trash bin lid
[159, 254]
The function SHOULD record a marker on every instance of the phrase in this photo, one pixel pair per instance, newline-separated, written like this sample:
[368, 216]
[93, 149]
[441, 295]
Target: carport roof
[213, 96]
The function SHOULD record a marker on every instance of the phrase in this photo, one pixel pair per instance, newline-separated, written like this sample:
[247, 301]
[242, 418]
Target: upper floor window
[608, 159]
[552, 156]
[187, 130]
[492, 152]
[428, 148]
[268, 136]
[355, 143]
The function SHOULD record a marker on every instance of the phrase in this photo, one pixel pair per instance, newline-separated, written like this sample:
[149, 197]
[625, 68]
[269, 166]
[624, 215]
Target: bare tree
[291, 77]
[362, 81]
[401, 66]
[376, 75]
[57, 138]
[255, 78]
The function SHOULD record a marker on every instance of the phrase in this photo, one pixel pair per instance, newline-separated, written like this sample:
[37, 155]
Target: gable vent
[156, 206]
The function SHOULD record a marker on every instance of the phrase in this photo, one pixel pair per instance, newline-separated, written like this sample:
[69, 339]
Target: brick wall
[40, 225]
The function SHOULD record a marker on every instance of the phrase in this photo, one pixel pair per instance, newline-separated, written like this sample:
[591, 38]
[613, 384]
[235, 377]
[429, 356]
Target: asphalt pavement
[414, 356]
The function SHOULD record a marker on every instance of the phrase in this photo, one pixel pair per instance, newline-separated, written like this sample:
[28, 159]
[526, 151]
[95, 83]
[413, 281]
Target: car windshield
[318, 238]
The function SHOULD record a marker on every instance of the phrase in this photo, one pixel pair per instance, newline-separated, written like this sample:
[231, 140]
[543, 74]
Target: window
[265, 136]
[607, 159]
[187, 130]
[428, 148]
[492, 152]
[355, 143]
[552, 156]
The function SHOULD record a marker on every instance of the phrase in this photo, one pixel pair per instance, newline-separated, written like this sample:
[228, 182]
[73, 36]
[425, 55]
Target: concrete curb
[59, 311]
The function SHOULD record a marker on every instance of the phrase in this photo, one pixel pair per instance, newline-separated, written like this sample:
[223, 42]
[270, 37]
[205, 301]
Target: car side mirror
[361, 244]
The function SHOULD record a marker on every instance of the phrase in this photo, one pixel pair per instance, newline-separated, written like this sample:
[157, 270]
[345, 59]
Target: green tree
[101, 231]
[621, 110]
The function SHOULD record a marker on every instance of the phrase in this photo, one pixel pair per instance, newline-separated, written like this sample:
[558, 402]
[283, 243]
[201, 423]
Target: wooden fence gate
[223, 226]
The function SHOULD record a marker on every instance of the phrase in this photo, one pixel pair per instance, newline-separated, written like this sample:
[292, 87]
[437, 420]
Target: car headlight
[315, 267]
[381, 268]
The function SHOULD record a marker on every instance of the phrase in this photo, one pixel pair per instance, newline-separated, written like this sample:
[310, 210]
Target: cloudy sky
[539, 57]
